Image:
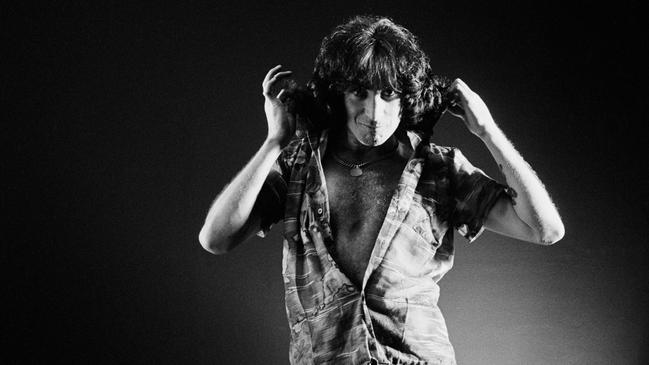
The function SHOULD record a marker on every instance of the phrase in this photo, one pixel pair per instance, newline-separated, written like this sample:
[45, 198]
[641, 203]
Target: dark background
[123, 122]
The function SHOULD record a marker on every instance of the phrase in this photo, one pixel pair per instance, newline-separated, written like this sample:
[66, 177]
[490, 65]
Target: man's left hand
[468, 106]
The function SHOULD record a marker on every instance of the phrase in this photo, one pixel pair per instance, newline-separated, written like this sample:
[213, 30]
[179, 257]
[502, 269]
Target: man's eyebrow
[355, 86]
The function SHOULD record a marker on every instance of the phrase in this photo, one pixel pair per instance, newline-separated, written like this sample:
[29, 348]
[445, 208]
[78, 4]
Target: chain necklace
[355, 169]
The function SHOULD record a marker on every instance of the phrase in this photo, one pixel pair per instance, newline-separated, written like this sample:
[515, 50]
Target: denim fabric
[393, 318]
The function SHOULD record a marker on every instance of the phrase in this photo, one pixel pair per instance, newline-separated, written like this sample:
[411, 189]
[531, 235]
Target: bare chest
[358, 207]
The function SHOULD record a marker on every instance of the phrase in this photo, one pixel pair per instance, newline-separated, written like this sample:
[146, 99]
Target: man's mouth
[372, 125]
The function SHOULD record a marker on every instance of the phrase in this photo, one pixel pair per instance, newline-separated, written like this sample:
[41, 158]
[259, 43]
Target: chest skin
[358, 206]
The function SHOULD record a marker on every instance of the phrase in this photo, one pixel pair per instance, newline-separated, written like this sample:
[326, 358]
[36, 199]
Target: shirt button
[319, 210]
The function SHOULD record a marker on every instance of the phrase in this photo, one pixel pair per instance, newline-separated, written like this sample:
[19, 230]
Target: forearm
[232, 207]
[532, 203]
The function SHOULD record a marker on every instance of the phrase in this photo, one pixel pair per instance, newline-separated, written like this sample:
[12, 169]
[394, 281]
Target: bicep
[268, 208]
[502, 219]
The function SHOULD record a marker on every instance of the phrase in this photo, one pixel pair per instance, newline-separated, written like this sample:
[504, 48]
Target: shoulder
[289, 153]
[298, 150]
[293, 147]
[436, 179]
[444, 164]
[438, 155]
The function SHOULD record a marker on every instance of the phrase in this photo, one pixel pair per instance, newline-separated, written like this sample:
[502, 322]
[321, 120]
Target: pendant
[356, 171]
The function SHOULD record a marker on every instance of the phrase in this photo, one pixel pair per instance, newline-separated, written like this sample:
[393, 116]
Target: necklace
[355, 169]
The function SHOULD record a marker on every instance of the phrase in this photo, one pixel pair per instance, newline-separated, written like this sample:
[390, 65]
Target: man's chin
[373, 141]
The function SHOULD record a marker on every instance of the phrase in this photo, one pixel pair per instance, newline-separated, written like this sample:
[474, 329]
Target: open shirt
[393, 318]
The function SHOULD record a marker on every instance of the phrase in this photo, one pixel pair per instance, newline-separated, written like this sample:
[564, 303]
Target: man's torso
[358, 207]
[334, 316]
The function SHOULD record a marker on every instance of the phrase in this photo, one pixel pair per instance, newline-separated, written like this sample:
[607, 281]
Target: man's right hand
[281, 123]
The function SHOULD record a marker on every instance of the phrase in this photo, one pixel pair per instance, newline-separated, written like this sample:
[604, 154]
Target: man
[369, 203]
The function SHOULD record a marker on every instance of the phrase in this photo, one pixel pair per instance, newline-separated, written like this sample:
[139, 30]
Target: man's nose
[373, 104]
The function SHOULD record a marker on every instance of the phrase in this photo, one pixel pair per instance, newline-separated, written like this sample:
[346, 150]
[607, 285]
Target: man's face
[372, 115]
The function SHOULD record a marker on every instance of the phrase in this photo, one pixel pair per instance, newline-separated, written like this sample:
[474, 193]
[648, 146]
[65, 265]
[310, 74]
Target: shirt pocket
[412, 250]
[419, 220]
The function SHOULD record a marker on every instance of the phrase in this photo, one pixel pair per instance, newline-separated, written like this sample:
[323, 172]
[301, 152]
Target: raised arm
[530, 215]
[231, 219]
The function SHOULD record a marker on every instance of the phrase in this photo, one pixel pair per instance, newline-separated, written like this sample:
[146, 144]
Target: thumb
[280, 95]
[456, 110]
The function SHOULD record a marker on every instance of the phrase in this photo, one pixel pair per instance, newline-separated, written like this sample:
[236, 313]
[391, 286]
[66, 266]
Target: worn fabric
[393, 318]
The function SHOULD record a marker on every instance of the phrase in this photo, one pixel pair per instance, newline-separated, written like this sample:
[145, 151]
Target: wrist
[492, 136]
[274, 143]
[489, 129]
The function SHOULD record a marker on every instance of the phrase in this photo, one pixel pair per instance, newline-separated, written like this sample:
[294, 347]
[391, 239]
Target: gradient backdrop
[123, 122]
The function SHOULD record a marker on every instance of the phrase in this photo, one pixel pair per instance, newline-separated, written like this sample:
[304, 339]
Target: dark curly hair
[375, 53]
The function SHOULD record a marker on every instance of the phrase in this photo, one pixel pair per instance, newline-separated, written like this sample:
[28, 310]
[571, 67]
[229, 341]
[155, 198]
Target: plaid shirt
[393, 318]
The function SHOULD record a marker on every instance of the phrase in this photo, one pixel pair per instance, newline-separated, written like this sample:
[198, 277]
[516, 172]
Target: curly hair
[375, 53]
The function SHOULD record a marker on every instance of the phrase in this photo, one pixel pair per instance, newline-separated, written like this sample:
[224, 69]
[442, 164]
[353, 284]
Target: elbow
[212, 243]
[552, 235]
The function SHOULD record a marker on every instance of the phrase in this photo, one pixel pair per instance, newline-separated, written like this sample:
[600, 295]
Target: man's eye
[388, 93]
[359, 92]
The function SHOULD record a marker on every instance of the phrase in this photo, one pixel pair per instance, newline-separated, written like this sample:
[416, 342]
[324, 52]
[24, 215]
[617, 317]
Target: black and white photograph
[340, 182]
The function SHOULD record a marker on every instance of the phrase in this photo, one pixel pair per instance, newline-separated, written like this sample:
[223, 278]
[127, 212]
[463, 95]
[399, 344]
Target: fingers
[458, 86]
[280, 75]
[271, 78]
[456, 110]
[458, 92]
[271, 72]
